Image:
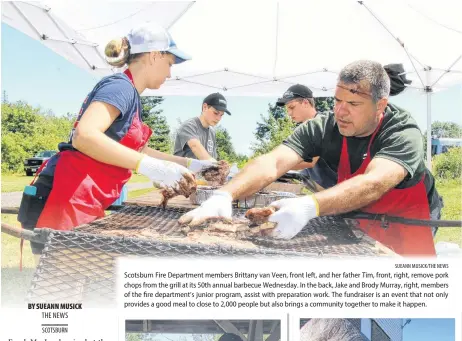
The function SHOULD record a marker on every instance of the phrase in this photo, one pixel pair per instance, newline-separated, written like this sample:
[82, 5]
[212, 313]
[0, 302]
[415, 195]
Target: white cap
[153, 37]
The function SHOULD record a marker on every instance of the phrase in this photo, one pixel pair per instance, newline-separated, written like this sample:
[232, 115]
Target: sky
[56, 84]
[430, 330]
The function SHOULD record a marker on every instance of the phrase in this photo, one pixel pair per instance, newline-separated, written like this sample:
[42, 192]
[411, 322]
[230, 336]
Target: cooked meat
[259, 215]
[185, 187]
[167, 194]
[217, 226]
[234, 228]
[228, 227]
[185, 220]
[216, 175]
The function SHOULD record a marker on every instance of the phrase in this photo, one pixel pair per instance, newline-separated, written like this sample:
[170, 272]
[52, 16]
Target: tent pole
[428, 90]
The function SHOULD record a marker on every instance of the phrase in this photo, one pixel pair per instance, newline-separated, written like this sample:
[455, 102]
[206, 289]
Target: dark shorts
[322, 174]
[32, 206]
[435, 213]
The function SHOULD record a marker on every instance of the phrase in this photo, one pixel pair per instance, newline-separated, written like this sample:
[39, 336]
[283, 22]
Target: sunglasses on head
[289, 94]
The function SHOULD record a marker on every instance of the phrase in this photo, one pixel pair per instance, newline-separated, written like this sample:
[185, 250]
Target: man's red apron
[409, 203]
[83, 187]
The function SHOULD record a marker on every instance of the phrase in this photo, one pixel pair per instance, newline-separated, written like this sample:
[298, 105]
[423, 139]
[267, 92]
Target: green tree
[152, 116]
[275, 113]
[270, 133]
[446, 129]
[277, 126]
[14, 150]
[324, 104]
[442, 129]
[448, 165]
[225, 148]
[26, 131]
[19, 118]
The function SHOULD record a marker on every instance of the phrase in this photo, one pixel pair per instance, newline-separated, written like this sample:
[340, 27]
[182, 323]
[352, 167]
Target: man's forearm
[255, 176]
[349, 195]
[199, 151]
[304, 165]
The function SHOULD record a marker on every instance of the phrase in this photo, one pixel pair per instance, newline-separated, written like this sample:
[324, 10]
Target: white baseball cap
[152, 37]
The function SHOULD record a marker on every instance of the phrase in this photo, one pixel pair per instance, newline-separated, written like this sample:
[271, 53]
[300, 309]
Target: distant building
[442, 144]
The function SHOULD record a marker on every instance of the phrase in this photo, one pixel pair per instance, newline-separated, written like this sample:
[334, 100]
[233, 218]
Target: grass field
[16, 183]
[451, 191]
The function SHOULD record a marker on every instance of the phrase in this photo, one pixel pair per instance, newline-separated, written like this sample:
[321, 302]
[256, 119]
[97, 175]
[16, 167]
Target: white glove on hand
[162, 173]
[292, 215]
[196, 166]
[218, 205]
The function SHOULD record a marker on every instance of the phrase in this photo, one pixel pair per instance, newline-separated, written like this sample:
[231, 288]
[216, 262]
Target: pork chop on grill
[259, 215]
[255, 223]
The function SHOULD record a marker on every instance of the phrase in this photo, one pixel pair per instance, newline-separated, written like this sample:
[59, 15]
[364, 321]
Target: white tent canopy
[255, 48]
[79, 31]
[259, 48]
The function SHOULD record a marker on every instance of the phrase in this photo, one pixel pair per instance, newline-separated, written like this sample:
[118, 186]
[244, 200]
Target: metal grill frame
[79, 266]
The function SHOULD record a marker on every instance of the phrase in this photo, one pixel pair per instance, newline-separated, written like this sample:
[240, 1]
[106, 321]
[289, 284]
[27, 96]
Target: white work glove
[218, 205]
[196, 166]
[292, 215]
[164, 174]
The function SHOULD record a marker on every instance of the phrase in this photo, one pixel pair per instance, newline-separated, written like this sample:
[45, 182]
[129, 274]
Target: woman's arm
[89, 137]
[164, 156]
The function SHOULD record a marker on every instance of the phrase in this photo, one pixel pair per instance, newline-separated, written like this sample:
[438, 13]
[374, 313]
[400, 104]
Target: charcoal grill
[78, 265]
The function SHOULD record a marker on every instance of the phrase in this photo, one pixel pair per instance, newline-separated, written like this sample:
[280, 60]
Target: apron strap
[37, 173]
[138, 106]
[344, 168]
[374, 134]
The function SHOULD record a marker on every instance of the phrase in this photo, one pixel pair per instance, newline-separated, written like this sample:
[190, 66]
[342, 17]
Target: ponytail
[117, 52]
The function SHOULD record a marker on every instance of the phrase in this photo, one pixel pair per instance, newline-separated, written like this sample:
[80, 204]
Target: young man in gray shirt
[196, 137]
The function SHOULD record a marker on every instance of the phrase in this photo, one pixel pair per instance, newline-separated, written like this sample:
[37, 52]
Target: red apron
[83, 187]
[409, 203]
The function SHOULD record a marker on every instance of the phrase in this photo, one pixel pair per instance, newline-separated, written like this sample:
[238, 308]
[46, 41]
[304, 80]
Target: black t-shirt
[399, 139]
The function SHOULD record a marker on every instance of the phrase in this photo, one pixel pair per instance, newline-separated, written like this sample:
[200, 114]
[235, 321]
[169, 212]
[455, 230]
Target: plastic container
[123, 196]
[232, 172]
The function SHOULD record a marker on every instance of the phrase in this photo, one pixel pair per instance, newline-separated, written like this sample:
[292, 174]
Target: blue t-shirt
[118, 91]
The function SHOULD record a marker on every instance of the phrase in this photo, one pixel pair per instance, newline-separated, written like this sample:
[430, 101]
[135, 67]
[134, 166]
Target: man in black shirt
[377, 151]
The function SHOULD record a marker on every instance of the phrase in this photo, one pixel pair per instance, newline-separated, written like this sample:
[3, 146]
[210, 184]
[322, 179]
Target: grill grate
[79, 265]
